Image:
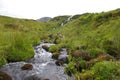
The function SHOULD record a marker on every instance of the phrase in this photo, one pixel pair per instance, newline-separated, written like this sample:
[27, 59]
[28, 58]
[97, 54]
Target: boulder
[27, 67]
[64, 60]
[45, 47]
[55, 55]
[59, 63]
[4, 76]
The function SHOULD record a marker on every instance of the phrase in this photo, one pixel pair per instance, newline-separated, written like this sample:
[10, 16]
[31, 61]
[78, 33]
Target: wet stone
[27, 67]
[5, 76]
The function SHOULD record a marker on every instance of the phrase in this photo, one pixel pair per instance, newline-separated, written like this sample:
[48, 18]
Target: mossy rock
[82, 54]
[55, 55]
[45, 47]
[27, 67]
[4, 76]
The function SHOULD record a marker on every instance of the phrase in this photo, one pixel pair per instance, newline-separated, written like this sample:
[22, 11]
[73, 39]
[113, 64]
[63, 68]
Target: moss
[55, 55]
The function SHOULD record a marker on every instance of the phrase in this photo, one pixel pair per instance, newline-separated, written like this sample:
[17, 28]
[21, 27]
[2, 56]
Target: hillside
[92, 41]
[44, 19]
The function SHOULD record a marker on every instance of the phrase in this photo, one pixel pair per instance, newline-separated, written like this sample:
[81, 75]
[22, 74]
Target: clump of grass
[54, 48]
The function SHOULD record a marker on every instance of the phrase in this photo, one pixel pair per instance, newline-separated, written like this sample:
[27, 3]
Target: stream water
[66, 21]
[44, 67]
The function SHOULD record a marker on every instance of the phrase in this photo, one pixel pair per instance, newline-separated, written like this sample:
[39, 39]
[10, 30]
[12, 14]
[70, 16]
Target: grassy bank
[92, 41]
[18, 36]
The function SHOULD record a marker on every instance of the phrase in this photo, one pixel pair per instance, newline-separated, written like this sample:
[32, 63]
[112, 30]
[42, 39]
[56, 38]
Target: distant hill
[44, 19]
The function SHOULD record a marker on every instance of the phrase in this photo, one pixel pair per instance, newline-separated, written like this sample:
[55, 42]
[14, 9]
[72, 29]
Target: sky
[35, 9]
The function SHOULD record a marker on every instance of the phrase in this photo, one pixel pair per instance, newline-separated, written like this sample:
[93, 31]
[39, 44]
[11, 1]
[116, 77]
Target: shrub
[2, 61]
[95, 51]
[109, 47]
[87, 75]
[106, 70]
[80, 65]
[70, 68]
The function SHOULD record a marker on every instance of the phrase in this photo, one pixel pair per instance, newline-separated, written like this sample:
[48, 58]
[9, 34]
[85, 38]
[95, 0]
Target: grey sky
[34, 9]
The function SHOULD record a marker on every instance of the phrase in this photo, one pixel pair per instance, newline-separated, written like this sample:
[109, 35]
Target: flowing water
[66, 21]
[44, 67]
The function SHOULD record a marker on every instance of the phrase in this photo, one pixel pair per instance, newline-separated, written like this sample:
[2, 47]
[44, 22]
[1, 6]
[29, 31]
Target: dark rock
[33, 77]
[45, 47]
[64, 59]
[69, 73]
[45, 79]
[27, 67]
[4, 76]
[59, 63]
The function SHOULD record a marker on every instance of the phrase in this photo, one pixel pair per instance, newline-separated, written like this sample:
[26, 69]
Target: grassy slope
[94, 33]
[17, 37]
[97, 34]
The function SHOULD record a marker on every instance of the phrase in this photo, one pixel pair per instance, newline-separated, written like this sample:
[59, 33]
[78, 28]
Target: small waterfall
[44, 67]
[66, 21]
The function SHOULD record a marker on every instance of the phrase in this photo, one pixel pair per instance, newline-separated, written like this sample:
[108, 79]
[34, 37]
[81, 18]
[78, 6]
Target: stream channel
[44, 67]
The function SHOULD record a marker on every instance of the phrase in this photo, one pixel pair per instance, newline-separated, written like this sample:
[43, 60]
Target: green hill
[92, 41]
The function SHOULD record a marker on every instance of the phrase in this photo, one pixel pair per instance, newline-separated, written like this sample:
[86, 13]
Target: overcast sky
[34, 9]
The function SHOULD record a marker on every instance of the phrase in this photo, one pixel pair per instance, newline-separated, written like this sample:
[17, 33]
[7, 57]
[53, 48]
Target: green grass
[93, 33]
[18, 36]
